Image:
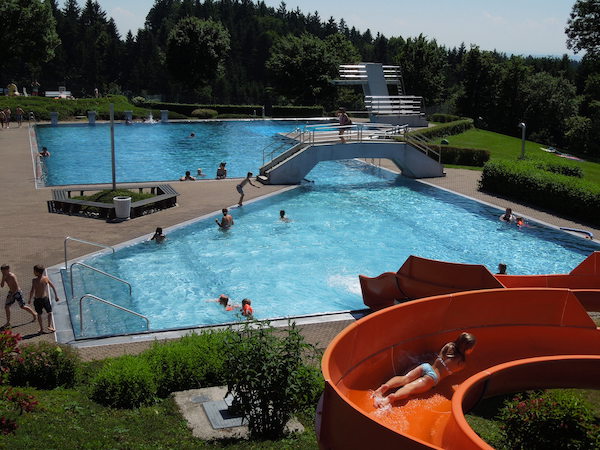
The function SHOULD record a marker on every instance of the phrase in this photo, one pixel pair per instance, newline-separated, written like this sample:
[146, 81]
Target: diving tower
[382, 107]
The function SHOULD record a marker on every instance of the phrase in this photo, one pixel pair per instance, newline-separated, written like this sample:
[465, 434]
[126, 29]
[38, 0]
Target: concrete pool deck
[30, 235]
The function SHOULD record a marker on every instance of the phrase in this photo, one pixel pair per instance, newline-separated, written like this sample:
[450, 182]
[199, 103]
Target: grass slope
[509, 148]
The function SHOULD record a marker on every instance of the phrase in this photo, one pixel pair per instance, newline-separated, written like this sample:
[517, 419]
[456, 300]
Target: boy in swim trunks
[14, 294]
[41, 302]
[226, 220]
[240, 187]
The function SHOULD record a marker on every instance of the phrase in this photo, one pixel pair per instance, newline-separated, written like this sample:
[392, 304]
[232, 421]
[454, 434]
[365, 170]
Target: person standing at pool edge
[240, 187]
[226, 220]
[41, 301]
[14, 294]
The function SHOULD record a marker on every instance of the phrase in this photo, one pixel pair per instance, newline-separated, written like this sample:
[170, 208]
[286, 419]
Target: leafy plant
[267, 377]
[191, 362]
[45, 366]
[125, 382]
[107, 195]
[553, 419]
[202, 113]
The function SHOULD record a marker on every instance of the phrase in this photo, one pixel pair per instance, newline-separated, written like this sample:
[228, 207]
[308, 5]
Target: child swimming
[451, 358]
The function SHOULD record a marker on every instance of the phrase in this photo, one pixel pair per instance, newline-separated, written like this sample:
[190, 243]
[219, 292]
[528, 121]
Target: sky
[528, 27]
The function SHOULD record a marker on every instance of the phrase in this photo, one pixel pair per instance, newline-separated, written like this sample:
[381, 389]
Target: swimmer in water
[247, 310]
[282, 216]
[226, 220]
[158, 236]
[187, 177]
[507, 216]
[452, 358]
[501, 269]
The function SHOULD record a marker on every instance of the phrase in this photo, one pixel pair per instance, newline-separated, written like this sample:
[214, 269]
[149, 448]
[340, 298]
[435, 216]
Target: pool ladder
[91, 296]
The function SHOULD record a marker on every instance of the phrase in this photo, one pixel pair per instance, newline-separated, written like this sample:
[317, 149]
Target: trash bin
[122, 207]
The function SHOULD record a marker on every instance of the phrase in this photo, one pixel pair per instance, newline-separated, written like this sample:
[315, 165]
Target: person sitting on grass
[451, 359]
[187, 177]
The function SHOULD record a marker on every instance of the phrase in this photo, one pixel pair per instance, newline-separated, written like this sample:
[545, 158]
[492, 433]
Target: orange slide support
[421, 277]
[527, 338]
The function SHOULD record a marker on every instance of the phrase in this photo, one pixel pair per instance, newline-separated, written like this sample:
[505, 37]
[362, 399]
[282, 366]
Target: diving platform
[306, 148]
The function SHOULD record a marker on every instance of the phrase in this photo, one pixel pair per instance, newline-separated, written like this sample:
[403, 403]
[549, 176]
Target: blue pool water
[353, 220]
[155, 152]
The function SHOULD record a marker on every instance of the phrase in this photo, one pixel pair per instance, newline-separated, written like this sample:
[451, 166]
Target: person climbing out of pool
[158, 235]
[282, 216]
[44, 153]
[221, 171]
[451, 359]
[187, 177]
[507, 216]
[240, 187]
[226, 220]
[501, 269]
[247, 310]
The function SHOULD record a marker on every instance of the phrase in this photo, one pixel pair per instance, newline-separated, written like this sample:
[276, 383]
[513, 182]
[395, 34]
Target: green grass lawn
[509, 148]
[67, 418]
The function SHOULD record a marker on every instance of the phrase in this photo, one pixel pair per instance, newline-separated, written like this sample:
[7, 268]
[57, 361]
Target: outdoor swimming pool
[355, 219]
[155, 152]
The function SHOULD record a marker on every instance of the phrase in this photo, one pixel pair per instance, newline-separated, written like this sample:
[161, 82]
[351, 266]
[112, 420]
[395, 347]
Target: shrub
[125, 382]
[45, 366]
[138, 100]
[186, 109]
[462, 156]
[106, 196]
[562, 169]
[202, 113]
[191, 362]
[553, 419]
[447, 129]
[297, 111]
[523, 181]
[267, 377]
[444, 118]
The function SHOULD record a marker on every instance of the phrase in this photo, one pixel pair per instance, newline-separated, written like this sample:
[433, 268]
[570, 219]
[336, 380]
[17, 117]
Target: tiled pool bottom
[342, 238]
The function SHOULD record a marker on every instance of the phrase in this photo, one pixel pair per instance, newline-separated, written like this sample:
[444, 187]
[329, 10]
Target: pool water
[355, 219]
[155, 152]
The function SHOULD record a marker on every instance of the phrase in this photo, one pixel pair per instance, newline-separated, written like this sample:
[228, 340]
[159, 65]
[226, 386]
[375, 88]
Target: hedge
[563, 169]
[186, 109]
[447, 129]
[462, 156]
[297, 111]
[444, 118]
[523, 181]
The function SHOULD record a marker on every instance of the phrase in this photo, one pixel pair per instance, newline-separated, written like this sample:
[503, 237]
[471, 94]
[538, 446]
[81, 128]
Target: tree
[196, 50]
[583, 27]
[29, 31]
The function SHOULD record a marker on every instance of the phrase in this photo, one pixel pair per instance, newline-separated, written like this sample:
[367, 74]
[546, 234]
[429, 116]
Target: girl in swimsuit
[451, 358]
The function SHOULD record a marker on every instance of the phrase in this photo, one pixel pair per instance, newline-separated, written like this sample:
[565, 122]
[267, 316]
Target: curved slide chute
[421, 277]
[524, 336]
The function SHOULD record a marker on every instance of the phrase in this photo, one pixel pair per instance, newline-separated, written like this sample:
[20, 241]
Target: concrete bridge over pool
[306, 148]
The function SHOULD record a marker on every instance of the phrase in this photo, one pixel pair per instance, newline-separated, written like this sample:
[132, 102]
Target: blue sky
[522, 27]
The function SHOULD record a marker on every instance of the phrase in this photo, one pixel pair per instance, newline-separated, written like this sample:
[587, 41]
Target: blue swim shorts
[429, 372]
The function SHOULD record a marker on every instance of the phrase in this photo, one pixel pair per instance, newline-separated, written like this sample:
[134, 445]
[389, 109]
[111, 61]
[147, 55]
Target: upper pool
[155, 152]
[355, 219]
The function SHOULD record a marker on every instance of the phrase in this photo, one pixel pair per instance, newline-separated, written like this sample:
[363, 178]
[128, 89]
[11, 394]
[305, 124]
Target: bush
[523, 181]
[562, 169]
[138, 100]
[462, 156]
[448, 129]
[45, 366]
[204, 113]
[444, 118]
[297, 111]
[553, 419]
[267, 377]
[186, 109]
[191, 362]
[125, 382]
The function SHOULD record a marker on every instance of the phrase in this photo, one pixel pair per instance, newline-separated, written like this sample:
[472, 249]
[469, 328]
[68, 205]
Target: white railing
[93, 297]
[77, 263]
[358, 72]
[69, 238]
[394, 104]
[360, 132]
[277, 146]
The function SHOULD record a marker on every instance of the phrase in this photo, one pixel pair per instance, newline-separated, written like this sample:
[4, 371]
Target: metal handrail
[69, 238]
[77, 263]
[278, 143]
[108, 303]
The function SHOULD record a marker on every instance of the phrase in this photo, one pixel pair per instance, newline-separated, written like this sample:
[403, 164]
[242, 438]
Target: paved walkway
[30, 235]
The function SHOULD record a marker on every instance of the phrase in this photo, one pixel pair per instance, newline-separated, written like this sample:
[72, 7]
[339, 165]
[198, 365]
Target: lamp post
[523, 127]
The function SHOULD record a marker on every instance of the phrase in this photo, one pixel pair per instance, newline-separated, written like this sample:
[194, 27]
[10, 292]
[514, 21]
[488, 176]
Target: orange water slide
[527, 338]
[421, 277]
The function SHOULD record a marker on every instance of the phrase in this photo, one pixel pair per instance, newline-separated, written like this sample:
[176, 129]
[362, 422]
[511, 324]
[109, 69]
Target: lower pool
[355, 219]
